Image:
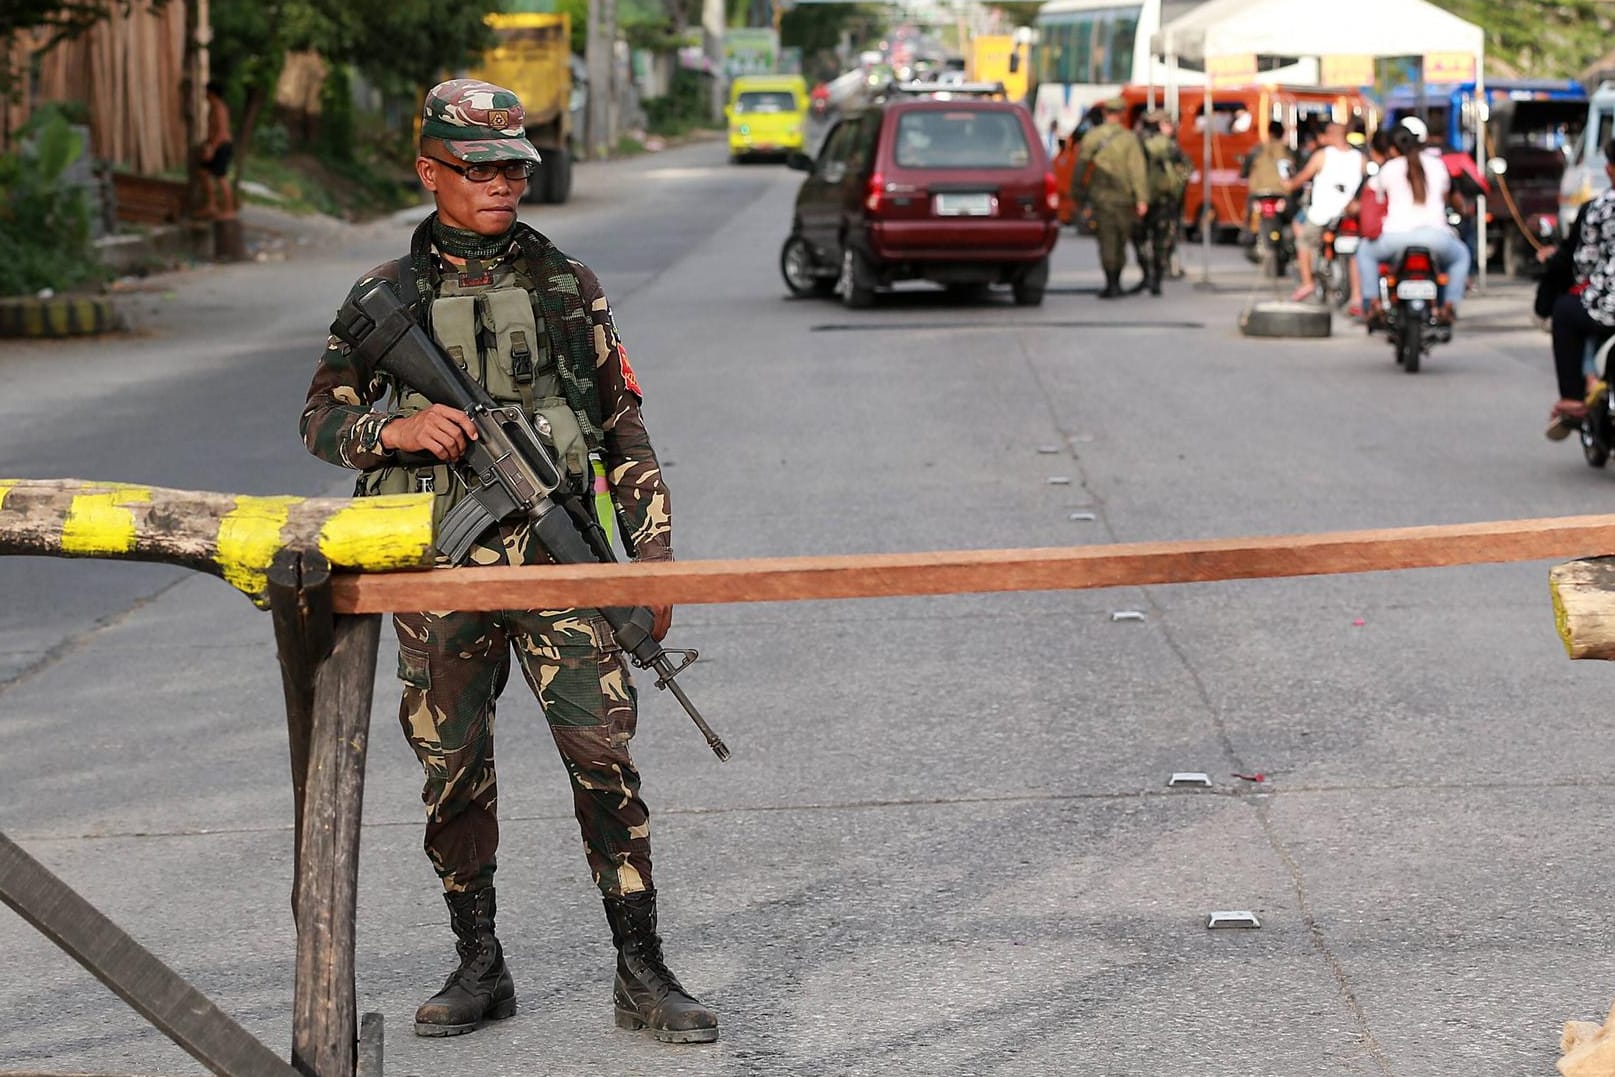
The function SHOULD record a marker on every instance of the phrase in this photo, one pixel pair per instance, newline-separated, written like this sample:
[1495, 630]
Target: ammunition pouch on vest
[493, 330]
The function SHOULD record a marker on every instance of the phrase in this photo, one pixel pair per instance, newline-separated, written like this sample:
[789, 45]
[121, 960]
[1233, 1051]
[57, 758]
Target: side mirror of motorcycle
[1497, 166]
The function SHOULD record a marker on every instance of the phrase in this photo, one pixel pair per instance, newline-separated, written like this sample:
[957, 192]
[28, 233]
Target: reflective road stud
[1127, 615]
[1232, 918]
[1081, 516]
[1189, 777]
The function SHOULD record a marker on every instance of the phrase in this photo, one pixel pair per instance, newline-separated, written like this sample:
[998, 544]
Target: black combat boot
[481, 989]
[646, 994]
[1113, 285]
[1152, 279]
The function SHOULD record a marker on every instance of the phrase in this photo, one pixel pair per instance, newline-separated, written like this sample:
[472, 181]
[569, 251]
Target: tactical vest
[490, 321]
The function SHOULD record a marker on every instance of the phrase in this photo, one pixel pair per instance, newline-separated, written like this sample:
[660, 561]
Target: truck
[532, 55]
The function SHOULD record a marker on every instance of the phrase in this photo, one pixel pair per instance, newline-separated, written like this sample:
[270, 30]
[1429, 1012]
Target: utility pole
[712, 20]
[601, 60]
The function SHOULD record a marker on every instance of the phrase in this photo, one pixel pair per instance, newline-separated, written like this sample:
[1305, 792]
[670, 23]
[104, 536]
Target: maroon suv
[938, 184]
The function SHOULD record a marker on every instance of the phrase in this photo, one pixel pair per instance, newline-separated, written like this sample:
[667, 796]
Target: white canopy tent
[1294, 28]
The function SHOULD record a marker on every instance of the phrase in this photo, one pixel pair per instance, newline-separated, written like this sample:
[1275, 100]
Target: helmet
[1416, 125]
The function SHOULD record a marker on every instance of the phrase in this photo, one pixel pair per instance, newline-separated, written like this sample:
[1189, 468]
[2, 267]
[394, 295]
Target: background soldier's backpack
[1168, 173]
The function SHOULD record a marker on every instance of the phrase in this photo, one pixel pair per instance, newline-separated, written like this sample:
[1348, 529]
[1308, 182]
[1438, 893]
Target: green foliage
[579, 12]
[682, 108]
[272, 140]
[338, 129]
[44, 224]
[399, 45]
[1539, 38]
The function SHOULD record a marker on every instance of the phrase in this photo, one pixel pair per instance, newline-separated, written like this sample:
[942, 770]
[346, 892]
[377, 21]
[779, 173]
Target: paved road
[945, 843]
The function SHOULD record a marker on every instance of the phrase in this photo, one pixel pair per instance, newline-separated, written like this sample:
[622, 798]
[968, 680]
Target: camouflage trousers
[454, 666]
[1157, 238]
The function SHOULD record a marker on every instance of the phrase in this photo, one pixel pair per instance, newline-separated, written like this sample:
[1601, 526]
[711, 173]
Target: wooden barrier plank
[155, 991]
[787, 579]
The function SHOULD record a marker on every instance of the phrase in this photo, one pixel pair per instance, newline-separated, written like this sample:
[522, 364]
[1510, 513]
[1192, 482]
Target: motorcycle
[1598, 427]
[1336, 249]
[1410, 296]
[1273, 247]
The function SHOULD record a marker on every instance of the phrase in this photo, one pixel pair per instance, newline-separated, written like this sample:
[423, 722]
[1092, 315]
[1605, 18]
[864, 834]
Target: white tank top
[1335, 183]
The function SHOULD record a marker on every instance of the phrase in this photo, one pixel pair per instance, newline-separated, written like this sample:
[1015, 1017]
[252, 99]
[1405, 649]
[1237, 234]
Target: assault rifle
[507, 472]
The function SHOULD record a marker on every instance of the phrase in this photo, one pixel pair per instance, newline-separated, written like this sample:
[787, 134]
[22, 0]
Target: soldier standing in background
[1167, 171]
[1109, 183]
[534, 327]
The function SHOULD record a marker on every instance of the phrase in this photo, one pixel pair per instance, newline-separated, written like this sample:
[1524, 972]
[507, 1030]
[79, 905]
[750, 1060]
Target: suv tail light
[1051, 192]
[876, 193]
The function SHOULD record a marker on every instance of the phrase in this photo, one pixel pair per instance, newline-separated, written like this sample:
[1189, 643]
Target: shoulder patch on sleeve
[629, 382]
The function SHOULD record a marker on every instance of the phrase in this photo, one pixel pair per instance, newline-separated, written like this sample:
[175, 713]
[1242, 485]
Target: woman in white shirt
[1415, 187]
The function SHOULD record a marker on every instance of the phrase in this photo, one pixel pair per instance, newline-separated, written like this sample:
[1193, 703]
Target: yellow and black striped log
[232, 536]
[58, 316]
[1584, 606]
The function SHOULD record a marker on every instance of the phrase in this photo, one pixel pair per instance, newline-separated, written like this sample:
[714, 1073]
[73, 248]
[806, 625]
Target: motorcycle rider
[1335, 171]
[1584, 267]
[1415, 185]
[1267, 171]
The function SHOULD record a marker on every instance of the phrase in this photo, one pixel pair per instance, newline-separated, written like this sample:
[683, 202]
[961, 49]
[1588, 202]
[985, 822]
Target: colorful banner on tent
[1346, 70]
[1449, 67]
[1239, 70]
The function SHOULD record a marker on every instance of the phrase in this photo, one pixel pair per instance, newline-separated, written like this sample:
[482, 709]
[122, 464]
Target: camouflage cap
[478, 120]
[1113, 104]
[1155, 115]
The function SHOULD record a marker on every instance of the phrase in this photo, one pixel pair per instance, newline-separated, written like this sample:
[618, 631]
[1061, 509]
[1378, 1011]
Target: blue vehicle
[1532, 128]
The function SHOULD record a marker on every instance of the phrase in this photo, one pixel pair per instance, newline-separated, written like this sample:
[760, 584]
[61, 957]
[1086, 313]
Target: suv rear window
[766, 101]
[933, 138]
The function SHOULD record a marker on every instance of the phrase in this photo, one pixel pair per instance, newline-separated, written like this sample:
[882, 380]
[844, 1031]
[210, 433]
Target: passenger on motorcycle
[1415, 186]
[1335, 171]
[1584, 265]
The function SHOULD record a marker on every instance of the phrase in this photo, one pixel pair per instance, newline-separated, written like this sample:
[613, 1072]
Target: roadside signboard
[750, 50]
[1236, 70]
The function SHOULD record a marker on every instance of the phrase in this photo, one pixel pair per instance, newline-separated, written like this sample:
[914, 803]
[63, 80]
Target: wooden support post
[324, 1007]
[157, 992]
[370, 1046]
[299, 588]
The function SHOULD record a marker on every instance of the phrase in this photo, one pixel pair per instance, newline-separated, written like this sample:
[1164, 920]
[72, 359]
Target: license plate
[965, 205]
[1416, 289]
[1345, 244]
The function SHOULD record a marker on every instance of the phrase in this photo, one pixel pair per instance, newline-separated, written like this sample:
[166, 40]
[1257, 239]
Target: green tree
[1539, 38]
[401, 46]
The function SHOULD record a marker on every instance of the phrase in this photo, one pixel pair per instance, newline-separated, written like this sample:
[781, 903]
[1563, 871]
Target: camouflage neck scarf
[462, 243]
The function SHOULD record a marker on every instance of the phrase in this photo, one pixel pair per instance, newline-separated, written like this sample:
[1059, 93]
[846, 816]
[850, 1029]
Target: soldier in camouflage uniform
[534, 327]
[1109, 182]
[1168, 178]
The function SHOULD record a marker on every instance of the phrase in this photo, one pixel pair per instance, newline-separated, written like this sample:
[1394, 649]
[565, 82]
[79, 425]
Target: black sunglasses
[484, 173]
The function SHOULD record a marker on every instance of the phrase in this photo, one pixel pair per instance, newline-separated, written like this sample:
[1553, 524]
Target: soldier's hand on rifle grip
[440, 430]
[662, 620]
